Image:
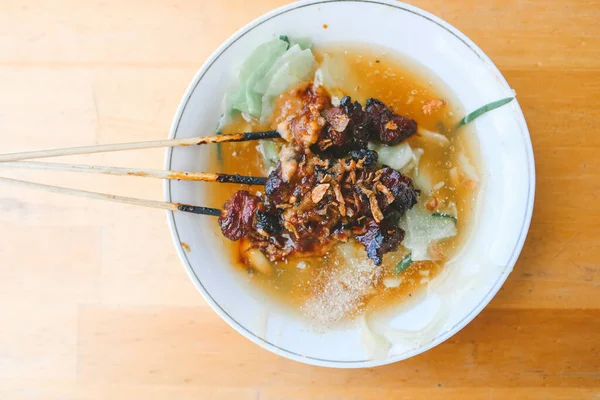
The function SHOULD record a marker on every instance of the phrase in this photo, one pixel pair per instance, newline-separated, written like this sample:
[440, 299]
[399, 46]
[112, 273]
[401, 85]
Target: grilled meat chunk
[236, 221]
[305, 128]
[388, 127]
[401, 188]
[378, 238]
[327, 186]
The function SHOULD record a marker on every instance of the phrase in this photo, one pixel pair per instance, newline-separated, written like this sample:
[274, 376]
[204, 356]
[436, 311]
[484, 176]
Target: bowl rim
[467, 318]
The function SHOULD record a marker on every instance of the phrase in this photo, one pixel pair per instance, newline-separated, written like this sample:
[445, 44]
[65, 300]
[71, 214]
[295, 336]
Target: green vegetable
[304, 43]
[290, 60]
[271, 69]
[482, 110]
[422, 228]
[403, 264]
[285, 39]
[262, 58]
[334, 74]
[294, 67]
[219, 151]
[393, 156]
[253, 103]
[269, 150]
[444, 215]
[253, 70]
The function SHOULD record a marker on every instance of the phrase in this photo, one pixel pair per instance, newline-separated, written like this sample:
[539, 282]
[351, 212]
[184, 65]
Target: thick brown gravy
[332, 288]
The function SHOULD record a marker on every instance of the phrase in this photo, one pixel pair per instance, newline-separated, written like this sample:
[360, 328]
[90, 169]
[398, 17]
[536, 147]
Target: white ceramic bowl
[504, 213]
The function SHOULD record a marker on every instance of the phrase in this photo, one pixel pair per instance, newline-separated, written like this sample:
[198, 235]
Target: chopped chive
[403, 264]
[444, 215]
[482, 110]
[286, 39]
[219, 151]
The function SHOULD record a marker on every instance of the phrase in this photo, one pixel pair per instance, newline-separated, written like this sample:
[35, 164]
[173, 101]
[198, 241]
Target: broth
[334, 288]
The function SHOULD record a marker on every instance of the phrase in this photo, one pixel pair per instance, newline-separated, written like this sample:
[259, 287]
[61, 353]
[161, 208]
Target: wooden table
[95, 303]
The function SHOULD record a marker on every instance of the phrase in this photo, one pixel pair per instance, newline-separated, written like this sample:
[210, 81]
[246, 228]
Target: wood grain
[95, 302]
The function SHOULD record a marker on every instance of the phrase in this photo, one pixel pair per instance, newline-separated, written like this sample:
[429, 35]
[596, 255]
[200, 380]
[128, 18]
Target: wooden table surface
[95, 303]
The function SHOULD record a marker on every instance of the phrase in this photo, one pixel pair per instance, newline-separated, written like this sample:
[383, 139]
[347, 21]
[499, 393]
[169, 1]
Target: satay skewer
[114, 198]
[103, 148]
[148, 173]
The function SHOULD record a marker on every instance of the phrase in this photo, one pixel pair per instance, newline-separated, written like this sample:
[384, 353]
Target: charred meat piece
[389, 128]
[360, 121]
[276, 188]
[316, 95]
[337, 118]
[268, 223]
[376, 109]
[395, 128]
[336, 134]
[313, 201]
[280, 191]
[346, 102]
[304, 186]
[305, 128]
[401, 188]
[378, 239]
[322, 200]
[238, 215]
[348, 127]
[370, 157]
[286, 185]
[332, 141]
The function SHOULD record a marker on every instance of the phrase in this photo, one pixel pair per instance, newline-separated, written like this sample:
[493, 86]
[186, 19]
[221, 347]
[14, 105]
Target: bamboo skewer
[149, 173]
[103, 148]
[118, 199]
[9, 160]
